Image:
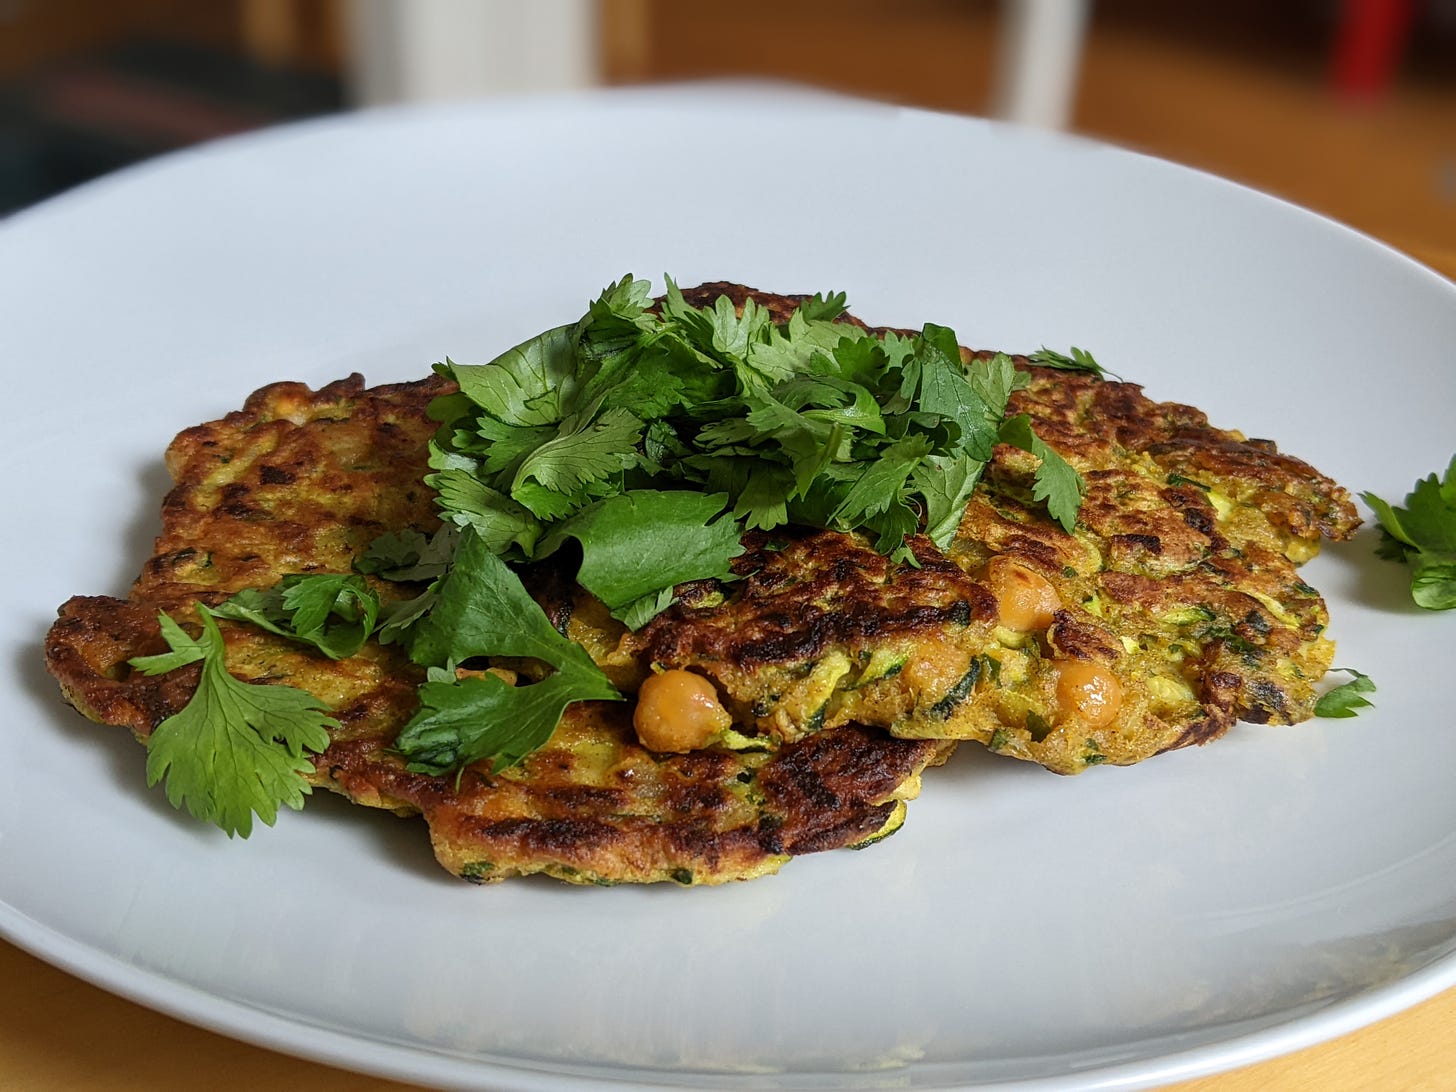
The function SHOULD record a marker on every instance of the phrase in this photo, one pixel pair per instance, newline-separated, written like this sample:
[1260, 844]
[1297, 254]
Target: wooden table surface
[58, 1032]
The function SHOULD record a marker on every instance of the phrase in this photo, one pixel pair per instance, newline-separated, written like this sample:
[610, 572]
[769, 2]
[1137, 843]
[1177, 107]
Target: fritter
[1171, 611]
[302, 481]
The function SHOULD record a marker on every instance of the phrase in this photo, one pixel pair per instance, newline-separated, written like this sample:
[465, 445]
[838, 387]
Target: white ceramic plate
[1130, 926]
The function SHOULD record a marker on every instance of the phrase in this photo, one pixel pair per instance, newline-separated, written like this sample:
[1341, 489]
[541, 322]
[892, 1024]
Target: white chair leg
[1038, 60]
[428, 50]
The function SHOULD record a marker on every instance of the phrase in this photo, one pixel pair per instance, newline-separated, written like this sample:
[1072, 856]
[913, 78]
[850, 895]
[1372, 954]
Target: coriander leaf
[548, 505]
[236, 749]
[1347, 699]
[1057, 481]
[822, 308]
[336, 611]
[482, 609]
[762, 501]
[183, 649]
[476, 717]
[410, 555]
[734, 432]
[615, 320]
[1433, 582]
[891, 527]
[639, 544]
[696, 325]
[734, 332]
[397, 617]
[468, 502]
[527, 385]
[862, 361]
[500, 449]
[838, 402]
[639, 612]
[263, 607]
[900, 356]
[661, 445]
[650, 380]
[946, 390]
[946, 483]
[1060, 486]
[1390, 548]
[333, 612]
[809, 444]
[809, 420]
[878, 486]
[995, 380]
[1423, 533]
[585, 451]
[805, 344]
[1389, 517]
[1429, 516]
[1079, 361]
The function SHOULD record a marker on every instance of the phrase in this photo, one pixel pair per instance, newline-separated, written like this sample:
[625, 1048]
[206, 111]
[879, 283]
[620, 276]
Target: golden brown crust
[296, 481]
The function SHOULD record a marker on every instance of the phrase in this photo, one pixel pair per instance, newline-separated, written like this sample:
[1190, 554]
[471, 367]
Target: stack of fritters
[850, 673]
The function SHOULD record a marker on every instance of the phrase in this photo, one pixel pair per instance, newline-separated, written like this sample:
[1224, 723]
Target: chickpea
[934, 668]
[1026, 600]
[678, 711]
[1087, 693]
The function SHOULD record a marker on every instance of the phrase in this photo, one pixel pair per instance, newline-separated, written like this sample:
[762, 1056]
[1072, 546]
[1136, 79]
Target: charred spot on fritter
[811, 621]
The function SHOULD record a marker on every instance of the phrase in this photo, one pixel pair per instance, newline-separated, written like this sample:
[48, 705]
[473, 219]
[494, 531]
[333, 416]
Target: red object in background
[1369, 44]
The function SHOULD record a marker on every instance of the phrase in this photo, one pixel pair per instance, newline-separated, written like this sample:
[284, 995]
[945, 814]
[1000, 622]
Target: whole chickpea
[1026, 600]
[1088, 693]
[678, 711]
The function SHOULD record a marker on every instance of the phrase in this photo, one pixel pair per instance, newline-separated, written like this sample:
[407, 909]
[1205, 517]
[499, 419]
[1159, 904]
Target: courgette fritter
[1170, 611]
[1173, 609]
[303, 481]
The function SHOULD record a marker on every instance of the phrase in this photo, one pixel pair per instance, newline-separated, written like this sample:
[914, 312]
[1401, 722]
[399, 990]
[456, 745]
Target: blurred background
[1345, 106]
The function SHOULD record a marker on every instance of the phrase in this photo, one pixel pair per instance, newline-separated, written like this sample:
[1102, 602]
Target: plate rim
[249, 1023]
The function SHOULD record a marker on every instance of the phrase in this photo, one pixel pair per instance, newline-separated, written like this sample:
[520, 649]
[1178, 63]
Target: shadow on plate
[1372, 581]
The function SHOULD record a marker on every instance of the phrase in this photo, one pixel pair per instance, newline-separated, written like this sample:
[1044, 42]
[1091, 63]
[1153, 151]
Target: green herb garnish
[1347, 699]
[809, 421]
[1078, 361]
[483, 610]
[333, 612]
[236, 749]
[1423, 535]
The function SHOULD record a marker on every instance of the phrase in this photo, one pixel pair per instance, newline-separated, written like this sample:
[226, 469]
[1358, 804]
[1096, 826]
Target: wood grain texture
[58, 1032]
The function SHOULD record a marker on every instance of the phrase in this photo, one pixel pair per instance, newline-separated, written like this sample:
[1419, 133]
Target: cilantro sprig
[236, 749]
[483, 610]
[807, 421]
[1422, 534]
[334, 612]
[1347, 699]
[1078, 360]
